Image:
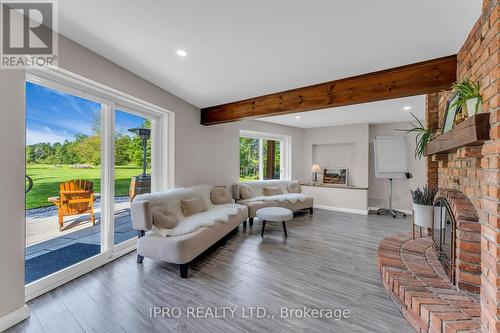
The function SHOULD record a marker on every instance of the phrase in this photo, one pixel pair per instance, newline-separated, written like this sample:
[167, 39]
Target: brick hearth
[420, 288]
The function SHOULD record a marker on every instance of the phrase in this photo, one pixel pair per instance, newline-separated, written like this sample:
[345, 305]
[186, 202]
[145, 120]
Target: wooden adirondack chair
[75, 197]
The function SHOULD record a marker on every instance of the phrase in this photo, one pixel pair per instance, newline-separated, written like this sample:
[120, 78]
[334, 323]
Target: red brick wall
[476, 171]
[432, 121]
[486, 69]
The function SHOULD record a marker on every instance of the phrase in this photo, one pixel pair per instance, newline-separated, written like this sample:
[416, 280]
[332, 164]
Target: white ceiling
[389, 111]
[239, 49]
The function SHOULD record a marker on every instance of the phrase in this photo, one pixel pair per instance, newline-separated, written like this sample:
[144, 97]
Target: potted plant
[469, 96]
[423, 206]
[424, 136]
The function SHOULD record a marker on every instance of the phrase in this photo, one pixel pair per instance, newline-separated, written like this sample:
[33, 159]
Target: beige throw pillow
[246, 192]
[294, 187]
[219, 196]
[272, 191]
[193, 206]
[163, 218]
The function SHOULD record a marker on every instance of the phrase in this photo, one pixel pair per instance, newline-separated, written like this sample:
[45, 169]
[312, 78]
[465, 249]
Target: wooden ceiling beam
[410, 80]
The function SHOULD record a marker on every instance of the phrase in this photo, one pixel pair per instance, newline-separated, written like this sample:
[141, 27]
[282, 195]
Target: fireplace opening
[456, 234]
[443, 235]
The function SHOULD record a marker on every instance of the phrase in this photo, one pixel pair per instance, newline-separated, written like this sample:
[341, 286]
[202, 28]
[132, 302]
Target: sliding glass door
[64, 168]
[89, 151]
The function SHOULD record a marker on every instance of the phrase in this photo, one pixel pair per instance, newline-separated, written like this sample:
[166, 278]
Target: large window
[263, 156]
[89, 150]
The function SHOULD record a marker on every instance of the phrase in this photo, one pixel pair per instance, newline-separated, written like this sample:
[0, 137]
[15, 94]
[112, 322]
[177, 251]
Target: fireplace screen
[443, 234]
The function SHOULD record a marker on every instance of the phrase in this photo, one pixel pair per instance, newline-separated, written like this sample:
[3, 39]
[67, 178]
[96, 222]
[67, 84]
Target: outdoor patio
[49, 250]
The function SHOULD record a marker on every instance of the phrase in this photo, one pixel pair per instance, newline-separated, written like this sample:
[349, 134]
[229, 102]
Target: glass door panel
[132, 168]
[63, 169]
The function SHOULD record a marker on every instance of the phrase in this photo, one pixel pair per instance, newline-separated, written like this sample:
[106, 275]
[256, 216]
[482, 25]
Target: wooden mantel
[473, 131]
[410, 80]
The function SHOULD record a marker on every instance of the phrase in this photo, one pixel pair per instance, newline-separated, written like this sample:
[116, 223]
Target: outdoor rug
[56, 260]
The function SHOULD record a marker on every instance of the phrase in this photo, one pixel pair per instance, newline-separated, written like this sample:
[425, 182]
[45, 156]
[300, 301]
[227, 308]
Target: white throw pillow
[219, 196]
[193, 206]
[268, 191]
[246, 192]
[294, 187]
[163, 218]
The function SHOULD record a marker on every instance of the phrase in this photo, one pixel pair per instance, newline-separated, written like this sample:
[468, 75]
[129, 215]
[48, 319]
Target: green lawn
[46, 179]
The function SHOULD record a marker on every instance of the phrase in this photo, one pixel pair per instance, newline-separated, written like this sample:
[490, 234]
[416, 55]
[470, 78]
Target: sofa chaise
[271, 193]
[192, 235]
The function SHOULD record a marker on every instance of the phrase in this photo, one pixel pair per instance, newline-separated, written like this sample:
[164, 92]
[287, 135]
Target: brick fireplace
[474, 172]
[432, 298]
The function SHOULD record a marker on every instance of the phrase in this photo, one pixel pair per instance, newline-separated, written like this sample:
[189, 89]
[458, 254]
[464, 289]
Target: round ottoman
[274, 214]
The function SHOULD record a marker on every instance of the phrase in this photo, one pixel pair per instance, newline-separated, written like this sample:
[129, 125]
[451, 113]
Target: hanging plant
[469, 96]
[424, 136]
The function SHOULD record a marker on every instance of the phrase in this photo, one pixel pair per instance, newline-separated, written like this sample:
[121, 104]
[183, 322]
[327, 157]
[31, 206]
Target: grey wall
[12, 234]
[379, 188]
[335, 141]
[221, 149]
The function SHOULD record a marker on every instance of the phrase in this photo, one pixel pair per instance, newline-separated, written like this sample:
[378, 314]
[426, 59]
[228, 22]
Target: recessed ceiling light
[297, 117]
[181, 53]
[406, 108]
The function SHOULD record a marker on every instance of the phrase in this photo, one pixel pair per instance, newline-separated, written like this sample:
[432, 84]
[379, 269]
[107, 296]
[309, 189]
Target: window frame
[162, 164]
[285, 151]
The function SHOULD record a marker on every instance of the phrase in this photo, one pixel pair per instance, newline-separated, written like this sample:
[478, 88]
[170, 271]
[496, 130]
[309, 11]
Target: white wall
[221, 156]
[77, 59]
[379, 188]
[347, 146]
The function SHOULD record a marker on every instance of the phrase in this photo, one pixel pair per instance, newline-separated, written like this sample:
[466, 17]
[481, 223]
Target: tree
[249, 158]
[89, 150]
[122, 149]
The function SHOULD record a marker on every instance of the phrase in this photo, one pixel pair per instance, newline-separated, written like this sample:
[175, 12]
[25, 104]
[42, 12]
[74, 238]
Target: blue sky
[53, 116]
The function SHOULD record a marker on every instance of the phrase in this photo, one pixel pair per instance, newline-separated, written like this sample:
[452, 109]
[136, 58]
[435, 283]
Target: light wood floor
[328, 261]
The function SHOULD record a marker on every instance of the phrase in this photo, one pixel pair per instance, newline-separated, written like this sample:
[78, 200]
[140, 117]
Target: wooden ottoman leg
[284, 228]
[250, 221]
[263, 227]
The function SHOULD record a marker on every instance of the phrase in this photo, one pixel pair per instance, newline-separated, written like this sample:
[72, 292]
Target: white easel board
[391, 156]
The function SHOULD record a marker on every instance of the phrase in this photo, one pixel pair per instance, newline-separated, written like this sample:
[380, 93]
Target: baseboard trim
[14, 317]
[343, 210]
[406, 211]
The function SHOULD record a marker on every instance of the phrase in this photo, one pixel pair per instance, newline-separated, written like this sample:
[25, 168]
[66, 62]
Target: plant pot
[423, 215]
[473, 106]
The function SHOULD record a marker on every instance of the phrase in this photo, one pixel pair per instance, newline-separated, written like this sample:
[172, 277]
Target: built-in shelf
[350, 187]
[471, 132]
